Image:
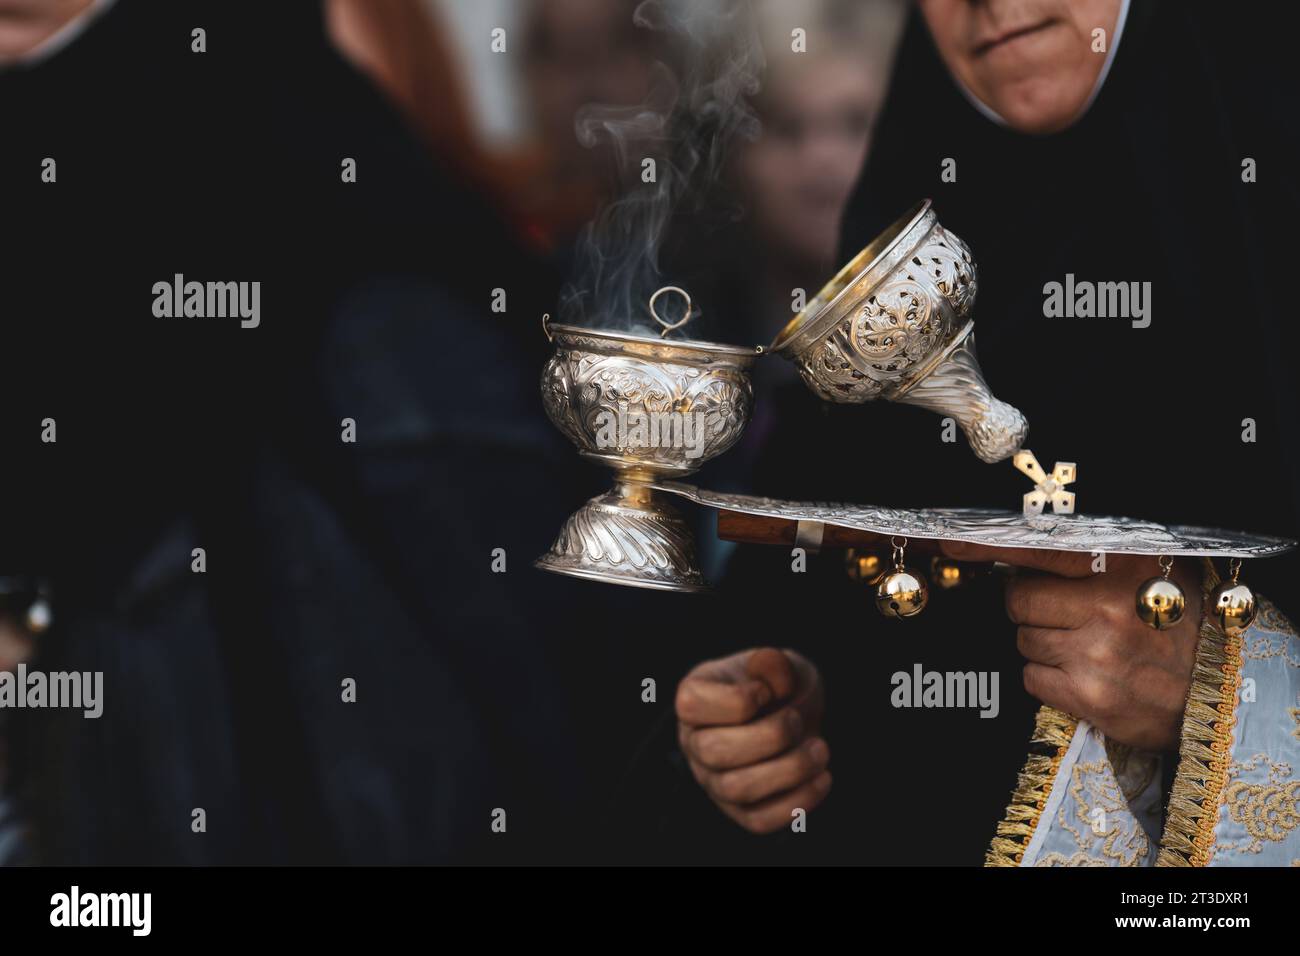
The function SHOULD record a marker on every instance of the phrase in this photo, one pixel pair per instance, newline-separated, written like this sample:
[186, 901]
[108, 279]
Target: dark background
[372, 561]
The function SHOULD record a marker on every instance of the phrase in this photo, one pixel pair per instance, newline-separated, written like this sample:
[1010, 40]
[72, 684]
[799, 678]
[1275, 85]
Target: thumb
[775, 669]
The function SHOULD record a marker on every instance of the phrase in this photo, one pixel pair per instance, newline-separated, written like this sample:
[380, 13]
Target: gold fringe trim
[1202, 773]
[1033, 787]
[1206, 747]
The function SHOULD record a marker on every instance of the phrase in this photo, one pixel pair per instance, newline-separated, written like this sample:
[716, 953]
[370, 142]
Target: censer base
[627, 536]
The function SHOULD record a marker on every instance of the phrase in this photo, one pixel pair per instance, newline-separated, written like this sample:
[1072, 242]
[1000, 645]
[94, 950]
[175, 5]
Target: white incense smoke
[686, 126]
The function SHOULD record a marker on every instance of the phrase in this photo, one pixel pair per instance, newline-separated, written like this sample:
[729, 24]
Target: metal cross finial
[1047, 487]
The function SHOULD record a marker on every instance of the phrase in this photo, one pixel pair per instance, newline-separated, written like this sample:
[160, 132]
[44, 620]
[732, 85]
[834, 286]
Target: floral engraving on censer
[580, 387]
[630, 535]
[904, 323]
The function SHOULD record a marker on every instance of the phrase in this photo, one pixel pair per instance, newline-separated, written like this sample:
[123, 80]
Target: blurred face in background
[579, 52]
[817, 121]
[1030, 61]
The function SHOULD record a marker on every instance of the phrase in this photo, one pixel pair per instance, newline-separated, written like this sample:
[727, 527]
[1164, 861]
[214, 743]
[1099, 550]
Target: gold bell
[945, 573]
[900, 592]
[863, 565]
[1232, 603]
[1160, 601]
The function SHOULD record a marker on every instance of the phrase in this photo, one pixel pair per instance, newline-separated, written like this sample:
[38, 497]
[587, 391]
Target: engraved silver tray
[1006, 529]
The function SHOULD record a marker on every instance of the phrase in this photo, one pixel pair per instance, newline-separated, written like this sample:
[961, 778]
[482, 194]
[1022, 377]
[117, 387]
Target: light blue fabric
[1104, 808]
[1106, 801]
[1259, 812]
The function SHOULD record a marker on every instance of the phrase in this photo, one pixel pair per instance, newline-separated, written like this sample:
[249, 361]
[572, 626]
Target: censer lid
[877, 257]
[659, 344]
[694, 345]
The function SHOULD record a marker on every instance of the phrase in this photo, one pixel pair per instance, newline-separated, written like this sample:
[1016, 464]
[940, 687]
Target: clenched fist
[1089, 654]
[749, 725]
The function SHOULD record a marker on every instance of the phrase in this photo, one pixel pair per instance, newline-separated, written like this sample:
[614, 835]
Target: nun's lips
[1010, 36]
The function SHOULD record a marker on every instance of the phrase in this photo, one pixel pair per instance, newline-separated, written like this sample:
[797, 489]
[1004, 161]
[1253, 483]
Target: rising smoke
[690, 118]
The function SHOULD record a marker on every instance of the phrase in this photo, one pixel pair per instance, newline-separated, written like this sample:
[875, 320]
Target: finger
[1049, 646]
[703, 702]
[748, 785]
[1046, 601]
[1052, 686]
[722, 748]
[807, 682]
[1069, 564]
[775, 669]
[727, 669]
[776, 812]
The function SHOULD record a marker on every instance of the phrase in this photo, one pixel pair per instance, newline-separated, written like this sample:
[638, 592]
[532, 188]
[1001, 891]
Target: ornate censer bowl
[651, 410]
[895, 324]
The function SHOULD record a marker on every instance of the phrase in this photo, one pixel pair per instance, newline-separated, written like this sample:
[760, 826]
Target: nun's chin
[1037, 82]
[1035, 101]
[1040, 107]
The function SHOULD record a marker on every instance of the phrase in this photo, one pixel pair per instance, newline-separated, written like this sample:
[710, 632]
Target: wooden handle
[761, 529]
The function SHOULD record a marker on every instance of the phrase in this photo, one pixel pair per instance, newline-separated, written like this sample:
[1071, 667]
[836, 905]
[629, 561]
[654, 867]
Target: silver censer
[650, 410]
[895, 324]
